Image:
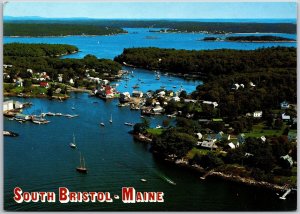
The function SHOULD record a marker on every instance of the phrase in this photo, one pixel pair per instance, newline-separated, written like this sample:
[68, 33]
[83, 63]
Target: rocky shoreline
[229, 177]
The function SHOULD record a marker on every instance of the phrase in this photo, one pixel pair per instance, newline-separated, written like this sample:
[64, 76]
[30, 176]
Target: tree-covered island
[37, 70]
[57, 29]
[249, 39]
[258, 39]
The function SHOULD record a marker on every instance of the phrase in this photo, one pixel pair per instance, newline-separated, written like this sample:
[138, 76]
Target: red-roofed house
[44, 84]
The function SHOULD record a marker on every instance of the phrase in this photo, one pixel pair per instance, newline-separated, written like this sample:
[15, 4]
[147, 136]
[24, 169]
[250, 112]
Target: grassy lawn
[17, 90]
[155, 131]
[259, 130]
[38, 90]
[195, 151]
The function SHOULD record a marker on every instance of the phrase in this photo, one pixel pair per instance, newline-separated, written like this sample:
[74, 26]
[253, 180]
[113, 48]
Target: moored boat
[73, 144]
[81, 168]
[128, 124]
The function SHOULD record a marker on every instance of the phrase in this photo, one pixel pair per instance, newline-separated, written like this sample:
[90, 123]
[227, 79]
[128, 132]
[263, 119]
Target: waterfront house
[176, 99]
[257, 114]
[11, 105]
[8, 105]
[157, 109]
[71, 81]
[124, 97]
[137, 94]
[18, 105]
[161, 94]
[44, 84]
[251, 84]
[284, 105]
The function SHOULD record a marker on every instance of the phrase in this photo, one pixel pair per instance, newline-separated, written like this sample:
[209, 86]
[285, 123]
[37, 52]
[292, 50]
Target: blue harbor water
[111, 46]
[40, 159]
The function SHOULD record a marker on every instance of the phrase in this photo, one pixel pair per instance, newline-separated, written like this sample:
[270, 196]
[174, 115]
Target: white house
[251, 84]
[208, 144]
[199, 135]
[176, 99]
[257, 114]
[231, 145]
[18, 105]
[71, 81]
[263, 138]
[285, 117]
[8, 105]
[158, 109]
[161, 93]
[137, 94]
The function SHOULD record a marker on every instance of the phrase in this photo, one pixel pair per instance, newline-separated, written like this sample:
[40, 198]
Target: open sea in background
[40, 159]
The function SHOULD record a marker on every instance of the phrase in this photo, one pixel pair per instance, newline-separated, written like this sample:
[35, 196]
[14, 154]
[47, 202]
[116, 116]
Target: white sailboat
[73, 144]
[110, 118]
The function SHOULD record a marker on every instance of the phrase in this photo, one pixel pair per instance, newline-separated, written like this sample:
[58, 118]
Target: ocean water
[111, 46]
[40, 159]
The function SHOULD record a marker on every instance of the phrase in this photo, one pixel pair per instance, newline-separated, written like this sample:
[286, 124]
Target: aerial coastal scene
[193, 109]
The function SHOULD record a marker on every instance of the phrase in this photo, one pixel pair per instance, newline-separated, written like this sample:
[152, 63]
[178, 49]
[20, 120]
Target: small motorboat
[128, 124]
[102, 124]
[72, 145]
[143, 180]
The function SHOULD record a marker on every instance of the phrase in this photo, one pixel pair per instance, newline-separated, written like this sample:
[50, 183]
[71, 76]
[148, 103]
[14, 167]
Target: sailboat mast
[80, 160]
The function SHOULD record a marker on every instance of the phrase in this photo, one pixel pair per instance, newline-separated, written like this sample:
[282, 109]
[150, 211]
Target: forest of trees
[39, 58]
[210, 63]
[175, 25]
[32, 29]
[37, 50]
[258, 39]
